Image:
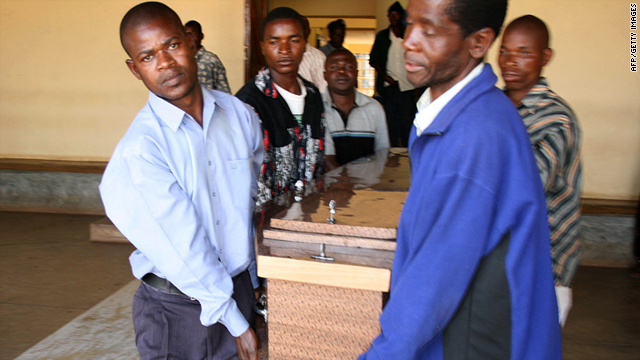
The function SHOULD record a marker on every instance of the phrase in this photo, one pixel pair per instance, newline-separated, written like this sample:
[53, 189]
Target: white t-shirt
[395, 63]
[295, 102]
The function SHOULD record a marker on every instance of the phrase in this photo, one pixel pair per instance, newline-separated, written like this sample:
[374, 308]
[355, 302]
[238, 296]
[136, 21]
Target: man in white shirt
[387, 57]
[181, 186]
[356, 124]
[312, 65]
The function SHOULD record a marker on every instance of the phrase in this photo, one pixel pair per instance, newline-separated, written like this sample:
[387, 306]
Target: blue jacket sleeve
[445, 230]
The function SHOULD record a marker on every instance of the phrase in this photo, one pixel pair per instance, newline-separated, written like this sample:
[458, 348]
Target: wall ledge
[86, 167]
[590, 206]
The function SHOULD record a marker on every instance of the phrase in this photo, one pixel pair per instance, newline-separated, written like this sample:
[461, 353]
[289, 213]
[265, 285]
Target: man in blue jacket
[471, 277]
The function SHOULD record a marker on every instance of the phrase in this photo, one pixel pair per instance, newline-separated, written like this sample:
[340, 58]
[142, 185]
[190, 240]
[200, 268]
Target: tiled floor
[50, 273]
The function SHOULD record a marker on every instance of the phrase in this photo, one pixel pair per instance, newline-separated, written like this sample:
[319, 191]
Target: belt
[161, 284]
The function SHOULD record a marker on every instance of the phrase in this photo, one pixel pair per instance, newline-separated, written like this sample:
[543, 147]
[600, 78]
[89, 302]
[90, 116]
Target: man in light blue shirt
[181, 186]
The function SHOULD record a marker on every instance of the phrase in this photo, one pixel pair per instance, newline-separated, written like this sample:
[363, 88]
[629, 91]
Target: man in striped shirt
[356, 124]
[312, 66]
[555, 137]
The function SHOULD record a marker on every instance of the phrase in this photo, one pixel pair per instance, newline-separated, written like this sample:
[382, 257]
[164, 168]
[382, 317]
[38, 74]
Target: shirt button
[209, 162]
[217, 222]
[213, 194]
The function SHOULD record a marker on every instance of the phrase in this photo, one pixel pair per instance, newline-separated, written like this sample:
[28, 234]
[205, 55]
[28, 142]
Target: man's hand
[247, 344]
[391, 81]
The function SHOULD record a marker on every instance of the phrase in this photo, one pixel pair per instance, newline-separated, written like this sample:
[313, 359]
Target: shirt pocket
[241, 180]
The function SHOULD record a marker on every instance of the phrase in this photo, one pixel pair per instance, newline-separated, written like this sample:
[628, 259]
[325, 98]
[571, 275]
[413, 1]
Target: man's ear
[262, 47]
[547, 54]
[481, 41]
[133, 69]
[191, 40]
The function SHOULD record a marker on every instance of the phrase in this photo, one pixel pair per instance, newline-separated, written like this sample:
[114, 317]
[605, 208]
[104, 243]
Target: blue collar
[478, 86]
[172, 116]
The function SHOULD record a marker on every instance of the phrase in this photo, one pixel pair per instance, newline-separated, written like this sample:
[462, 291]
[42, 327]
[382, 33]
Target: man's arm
[383, 72]
[318, 71]
[378, 53]
[329, 149]
[247, 344]
[157, 216]
[382, 133]
[550, 152]
[220, 76]
[444, 238]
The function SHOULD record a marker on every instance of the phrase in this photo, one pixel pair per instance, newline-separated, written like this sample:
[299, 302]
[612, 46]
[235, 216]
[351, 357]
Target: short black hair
[194, 24]
[397, 7]
[473, 15]
[532, 22]
[282, 13]
[342, 51]
[145, 13]
[336, 24]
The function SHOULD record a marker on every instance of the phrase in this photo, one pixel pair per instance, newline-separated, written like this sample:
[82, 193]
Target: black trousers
[400, 109]
[168, 326]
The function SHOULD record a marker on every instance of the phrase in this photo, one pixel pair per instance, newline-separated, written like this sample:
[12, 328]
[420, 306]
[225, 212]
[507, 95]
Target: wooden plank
[361, 213]
[347, 241]
[341, 275]
[296, 252]
[103, 230]
[609, 207]
[91, 167]
[330, 250]
[334, 229]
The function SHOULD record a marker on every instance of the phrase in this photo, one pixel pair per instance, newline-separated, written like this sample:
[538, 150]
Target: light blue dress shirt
[184, 195]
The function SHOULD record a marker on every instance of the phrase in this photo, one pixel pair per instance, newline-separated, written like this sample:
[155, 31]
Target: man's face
[341, 72]
[523, 53]
[394, 18]
[337, 37]
[283, 45]
[163, 58]
[193, 33]
[435, 51]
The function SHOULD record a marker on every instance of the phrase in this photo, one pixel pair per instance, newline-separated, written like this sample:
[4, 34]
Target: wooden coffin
[326, 281]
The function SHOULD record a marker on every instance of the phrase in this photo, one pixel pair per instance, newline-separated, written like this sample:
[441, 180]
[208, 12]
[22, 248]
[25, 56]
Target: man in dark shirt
[289, 107]
[399, 97]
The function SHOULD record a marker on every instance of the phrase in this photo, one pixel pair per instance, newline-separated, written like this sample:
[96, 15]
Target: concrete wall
[331, 8]
[590, 69]
[65, 92]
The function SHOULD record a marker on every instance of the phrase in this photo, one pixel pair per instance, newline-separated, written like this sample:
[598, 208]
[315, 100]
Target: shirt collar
[428, 110]
[360, 99]
[173, 116]
[537, 92]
